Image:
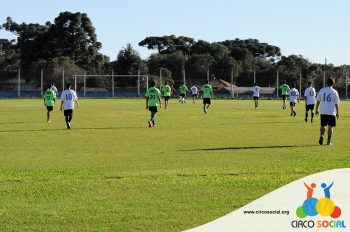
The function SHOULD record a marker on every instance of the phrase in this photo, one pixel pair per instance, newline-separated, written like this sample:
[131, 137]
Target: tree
[129, 62]
[72, 35]
[29, 39]
[173, 62]
[168, 44]
[9, 56]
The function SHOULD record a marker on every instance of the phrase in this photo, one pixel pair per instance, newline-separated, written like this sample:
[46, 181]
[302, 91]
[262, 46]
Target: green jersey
[152, 94]
[49, 97]
[166, 90]
[284, 89]
[207, 91]
[183, 89]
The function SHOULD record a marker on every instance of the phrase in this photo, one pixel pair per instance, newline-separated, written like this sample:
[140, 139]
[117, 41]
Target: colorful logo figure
[323, 206]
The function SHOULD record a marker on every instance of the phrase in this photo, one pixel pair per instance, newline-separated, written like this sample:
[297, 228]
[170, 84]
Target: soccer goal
[110, 85]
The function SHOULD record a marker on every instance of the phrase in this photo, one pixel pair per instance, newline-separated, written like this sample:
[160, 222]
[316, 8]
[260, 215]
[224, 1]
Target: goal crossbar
[139, 76]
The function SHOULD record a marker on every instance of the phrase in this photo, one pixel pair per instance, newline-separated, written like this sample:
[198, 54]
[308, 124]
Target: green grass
[113, 173]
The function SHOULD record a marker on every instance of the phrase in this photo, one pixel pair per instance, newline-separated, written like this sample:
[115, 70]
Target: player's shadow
[20, 122]
[252, 123]
[249, 147]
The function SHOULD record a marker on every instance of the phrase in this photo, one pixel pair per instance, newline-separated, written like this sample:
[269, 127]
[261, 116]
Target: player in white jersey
[293, 99]
[310, 101]
[256, 94]
[68, 97]
[194, 91]
[328, 104]
[54, 89]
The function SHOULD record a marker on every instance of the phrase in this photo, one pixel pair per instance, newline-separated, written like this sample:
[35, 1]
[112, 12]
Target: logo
[324, 206]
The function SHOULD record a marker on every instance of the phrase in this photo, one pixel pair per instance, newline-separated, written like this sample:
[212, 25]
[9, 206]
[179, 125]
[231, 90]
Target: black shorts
[153, 109]
[166, 98]
[49, 108]
[292, 103]
[194, 95]
[284, 97]
[256, 98]
[67, 112]
[182, 95]
[206, 101]
[328, 120]
[309, 107]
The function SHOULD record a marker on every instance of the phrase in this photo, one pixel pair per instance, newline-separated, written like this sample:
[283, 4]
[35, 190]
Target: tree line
[70, 42]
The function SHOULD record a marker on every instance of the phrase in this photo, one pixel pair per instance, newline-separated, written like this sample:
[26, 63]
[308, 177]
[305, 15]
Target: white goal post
[113, 80]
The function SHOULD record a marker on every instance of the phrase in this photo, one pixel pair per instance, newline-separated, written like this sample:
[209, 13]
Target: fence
[18, 84]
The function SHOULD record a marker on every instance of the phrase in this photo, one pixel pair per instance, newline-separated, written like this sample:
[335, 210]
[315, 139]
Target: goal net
[110, 85]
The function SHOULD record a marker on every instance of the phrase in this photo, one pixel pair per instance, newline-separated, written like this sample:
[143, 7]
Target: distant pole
[184, 75]
[346, 84]
[160, 77]
[324, 73]
[19, 82]
[208, 77]
[41, 81]
[232, 93]
[62, 79]
[277, 83]
[75, 83]
[300, 81]
[112, 83]
[138, 83]
[254, 76]
[85, 84]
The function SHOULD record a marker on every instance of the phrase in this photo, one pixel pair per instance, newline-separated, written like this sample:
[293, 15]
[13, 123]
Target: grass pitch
[113, 173]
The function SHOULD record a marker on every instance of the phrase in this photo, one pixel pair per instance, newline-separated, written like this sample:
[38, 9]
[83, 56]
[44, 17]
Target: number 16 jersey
[328, 97]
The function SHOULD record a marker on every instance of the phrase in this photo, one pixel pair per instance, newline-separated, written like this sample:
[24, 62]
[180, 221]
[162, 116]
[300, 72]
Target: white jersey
[68, 97]
[194, 90]
[293, 95]
[328, 97]
[53, 88]
[310, 94]
[256, 91]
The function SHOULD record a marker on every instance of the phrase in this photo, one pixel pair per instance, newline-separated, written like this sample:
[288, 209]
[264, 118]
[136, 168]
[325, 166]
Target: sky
[315, 29]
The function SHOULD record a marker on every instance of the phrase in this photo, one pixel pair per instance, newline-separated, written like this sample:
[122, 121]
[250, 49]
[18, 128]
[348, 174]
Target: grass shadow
[249, 147]
[73, 129]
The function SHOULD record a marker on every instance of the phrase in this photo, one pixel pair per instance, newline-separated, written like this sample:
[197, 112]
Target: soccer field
[111, 172]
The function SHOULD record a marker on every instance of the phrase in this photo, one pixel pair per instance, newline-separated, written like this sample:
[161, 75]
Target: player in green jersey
[152, 99]
[166, 91]
[207, 92]
[49, 101]
[284, 92]
[183, 92]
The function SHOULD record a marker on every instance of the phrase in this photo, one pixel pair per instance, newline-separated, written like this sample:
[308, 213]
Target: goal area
[110, 85]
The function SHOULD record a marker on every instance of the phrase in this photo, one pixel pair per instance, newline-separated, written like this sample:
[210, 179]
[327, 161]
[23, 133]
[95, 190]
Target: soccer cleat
[291, 114]
[205, 111]
[305, 119]
[295, 113]
[330, 144]
[312, 120]
[150, 124]
[68, 125]
[320, 141]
